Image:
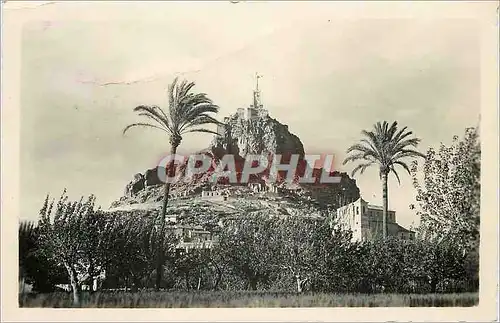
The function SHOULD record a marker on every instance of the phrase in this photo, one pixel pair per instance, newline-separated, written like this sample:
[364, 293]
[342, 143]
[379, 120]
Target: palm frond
[171, 89]
[392, 170]
[379, 138]
[172, 103]
[358, 147]
[359, 156]
[369, 143]
[193, 100]
[153, 112]
[201, 120]
[165, 117]
[379, 128]
[204, 107]
[202, 130]
[407, 153]
[385, 127]
[149, 116]
[179, 89]
[361, 168]
[402, 164]
[392, 130]
[405, 143]
[400, 135]
[185, 88]
[141, 124]
[371, 137]
[198, 116]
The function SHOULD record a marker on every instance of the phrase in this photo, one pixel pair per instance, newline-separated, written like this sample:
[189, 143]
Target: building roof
[377, 207]
[186, 226]
[400, 228]
[360, 200]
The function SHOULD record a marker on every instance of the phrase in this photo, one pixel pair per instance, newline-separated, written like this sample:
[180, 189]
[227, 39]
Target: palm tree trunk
[385, 205]
[160, 253]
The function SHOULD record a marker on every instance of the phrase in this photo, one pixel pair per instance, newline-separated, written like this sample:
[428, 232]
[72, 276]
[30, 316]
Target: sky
[325, 76]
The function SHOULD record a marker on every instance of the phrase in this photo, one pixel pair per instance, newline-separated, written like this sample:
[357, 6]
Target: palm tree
[385, 147]
[187, 112]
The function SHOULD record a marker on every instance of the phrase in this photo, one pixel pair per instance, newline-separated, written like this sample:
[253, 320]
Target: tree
[35, 269]
[443, 261]
[195, 263]
[129, 262]
[187, 112]
[245, 248]
[75, 235]
[295, 241]
[28, 237]
[385, 147]
[132, 258]
[449, 195]
[338, 260]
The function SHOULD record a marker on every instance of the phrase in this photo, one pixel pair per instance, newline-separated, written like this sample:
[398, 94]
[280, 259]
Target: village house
[263, 187]
[215, 195]
[365, 221]
[192, 237]
[208, 194]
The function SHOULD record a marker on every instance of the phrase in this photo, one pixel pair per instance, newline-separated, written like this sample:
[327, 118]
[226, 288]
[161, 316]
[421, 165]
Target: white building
[217, 195]
[193, 237]
[365, 221]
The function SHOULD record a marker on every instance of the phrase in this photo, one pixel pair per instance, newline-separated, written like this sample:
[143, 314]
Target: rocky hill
[250, 131]
[240, 136]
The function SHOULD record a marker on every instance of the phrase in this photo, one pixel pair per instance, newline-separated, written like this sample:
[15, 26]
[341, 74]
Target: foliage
[197, 269]
[295, 243]
[441, 262]
[89, 242]
[337, 261]
[27, 243]
[133, 257]
[449, 195]
[244, 246]
[34, 269]
[257, 252]
[72, 234]
[295, 254]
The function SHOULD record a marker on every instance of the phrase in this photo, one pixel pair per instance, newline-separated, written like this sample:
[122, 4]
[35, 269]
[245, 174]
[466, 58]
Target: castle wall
[251, 113]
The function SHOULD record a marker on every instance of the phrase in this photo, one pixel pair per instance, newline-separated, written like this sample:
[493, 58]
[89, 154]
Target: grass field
[247, 299]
